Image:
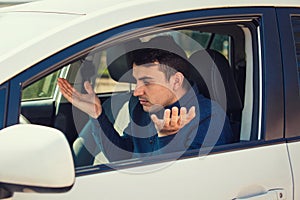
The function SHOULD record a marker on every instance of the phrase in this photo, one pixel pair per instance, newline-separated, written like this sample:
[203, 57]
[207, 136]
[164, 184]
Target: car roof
[88, 6]
[33, 31]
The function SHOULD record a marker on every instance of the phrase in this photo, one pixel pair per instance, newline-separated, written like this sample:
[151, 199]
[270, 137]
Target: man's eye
[146, 82]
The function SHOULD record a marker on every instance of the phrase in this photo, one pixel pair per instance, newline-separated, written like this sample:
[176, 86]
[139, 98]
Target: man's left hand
[172, 122]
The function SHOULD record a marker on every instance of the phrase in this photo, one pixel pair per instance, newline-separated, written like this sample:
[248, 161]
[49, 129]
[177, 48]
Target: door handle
[277, 194]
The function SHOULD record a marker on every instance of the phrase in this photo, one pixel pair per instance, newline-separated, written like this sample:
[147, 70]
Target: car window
[93, 68]
[108, 68]
[104, 83]
[42, 89]
[292, 75]
[296, 28]
[207, 40]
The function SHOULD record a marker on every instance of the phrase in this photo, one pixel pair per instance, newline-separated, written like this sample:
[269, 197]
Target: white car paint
[188, 179]
[81, 20]
[293, 149]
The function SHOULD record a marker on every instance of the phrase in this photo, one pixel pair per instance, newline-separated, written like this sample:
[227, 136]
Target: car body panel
[81, 28]
[293, 149]
[200, 177]
[289, 32]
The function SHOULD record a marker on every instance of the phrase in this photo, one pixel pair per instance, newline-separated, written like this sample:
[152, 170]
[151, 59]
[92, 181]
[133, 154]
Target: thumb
[157, 122]
[88, 87]
[155, 119]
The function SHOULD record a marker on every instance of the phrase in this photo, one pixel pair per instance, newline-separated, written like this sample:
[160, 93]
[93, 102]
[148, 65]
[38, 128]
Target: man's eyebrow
[145, 78]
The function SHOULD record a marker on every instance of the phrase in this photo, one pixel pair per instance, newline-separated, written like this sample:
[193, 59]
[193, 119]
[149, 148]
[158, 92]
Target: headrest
[120, 57]
[213, 75]
[166, 43]
[119, 61]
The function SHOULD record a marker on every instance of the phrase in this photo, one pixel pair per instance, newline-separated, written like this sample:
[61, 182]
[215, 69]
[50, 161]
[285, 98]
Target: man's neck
[178, 95]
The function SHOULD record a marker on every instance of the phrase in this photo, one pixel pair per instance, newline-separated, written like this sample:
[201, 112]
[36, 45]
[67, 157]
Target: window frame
[261, 59]
[4, 101]
[289, 67]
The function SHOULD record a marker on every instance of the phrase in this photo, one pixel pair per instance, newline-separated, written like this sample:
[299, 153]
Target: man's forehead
[152, 64]
[150, 71]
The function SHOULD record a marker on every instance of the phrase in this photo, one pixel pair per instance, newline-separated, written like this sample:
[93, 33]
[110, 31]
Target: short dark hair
[171, 61]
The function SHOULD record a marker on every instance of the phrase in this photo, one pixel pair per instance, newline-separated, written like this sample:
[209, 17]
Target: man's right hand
[88, 103]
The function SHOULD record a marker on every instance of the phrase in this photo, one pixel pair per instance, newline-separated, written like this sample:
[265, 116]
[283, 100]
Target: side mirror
[34, 159]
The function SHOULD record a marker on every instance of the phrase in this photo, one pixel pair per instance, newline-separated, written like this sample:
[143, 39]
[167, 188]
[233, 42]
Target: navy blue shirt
[210, 127]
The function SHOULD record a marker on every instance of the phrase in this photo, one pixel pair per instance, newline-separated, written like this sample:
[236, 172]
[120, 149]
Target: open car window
[110, 74]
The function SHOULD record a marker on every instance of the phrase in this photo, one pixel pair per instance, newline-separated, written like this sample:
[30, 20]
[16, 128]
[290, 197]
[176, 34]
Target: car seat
[212, 74]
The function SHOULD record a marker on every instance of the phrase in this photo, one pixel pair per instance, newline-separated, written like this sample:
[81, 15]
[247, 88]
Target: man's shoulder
[208, 105]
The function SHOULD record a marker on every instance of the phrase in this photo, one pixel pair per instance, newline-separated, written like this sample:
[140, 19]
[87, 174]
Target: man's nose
[138, 91]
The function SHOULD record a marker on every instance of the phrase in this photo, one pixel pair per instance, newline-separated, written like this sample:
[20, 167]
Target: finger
[60, 83]
[70, 93]
[68, 88]
[65, 92]
[174, 116]
[167, 119]
[157, 122]
[154, 118]
[65, 85]
[88, 87]
[60, 80]
[191, 114]
[183, 116]
[63, 82]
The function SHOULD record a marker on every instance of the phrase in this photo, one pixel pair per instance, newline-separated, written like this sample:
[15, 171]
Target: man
[167, 113]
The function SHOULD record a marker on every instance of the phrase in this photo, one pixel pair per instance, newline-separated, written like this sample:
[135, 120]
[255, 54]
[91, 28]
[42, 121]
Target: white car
[14, 2]
[256, 81]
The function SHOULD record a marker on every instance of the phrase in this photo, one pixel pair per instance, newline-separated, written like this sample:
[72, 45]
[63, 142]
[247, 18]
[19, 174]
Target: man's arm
[108, 139]
[114, 146]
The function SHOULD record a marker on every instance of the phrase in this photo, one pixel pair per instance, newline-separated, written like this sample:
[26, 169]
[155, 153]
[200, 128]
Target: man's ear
[177, 80]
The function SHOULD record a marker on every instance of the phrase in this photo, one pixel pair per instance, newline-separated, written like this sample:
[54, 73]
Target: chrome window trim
[260, 85]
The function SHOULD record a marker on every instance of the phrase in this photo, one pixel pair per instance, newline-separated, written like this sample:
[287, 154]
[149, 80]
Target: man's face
[152, 88]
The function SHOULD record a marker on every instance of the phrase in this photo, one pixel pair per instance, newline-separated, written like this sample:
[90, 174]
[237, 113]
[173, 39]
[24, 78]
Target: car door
[255, 167]
[289, 33]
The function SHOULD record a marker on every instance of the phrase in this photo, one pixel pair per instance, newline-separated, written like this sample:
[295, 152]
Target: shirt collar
[186, 99]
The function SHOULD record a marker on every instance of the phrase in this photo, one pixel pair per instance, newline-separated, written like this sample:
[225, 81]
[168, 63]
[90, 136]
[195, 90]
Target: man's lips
[143, 101]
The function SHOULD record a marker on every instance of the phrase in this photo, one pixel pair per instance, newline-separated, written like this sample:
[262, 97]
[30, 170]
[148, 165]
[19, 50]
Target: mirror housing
[34, 158]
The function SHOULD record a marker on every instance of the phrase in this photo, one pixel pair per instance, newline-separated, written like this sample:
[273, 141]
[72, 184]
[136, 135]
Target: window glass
[131, 88]
[206, 40]
[42, 89]
[110, 79]
[93, 68]
[221, 44]
[104, 83]
[296, 31]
